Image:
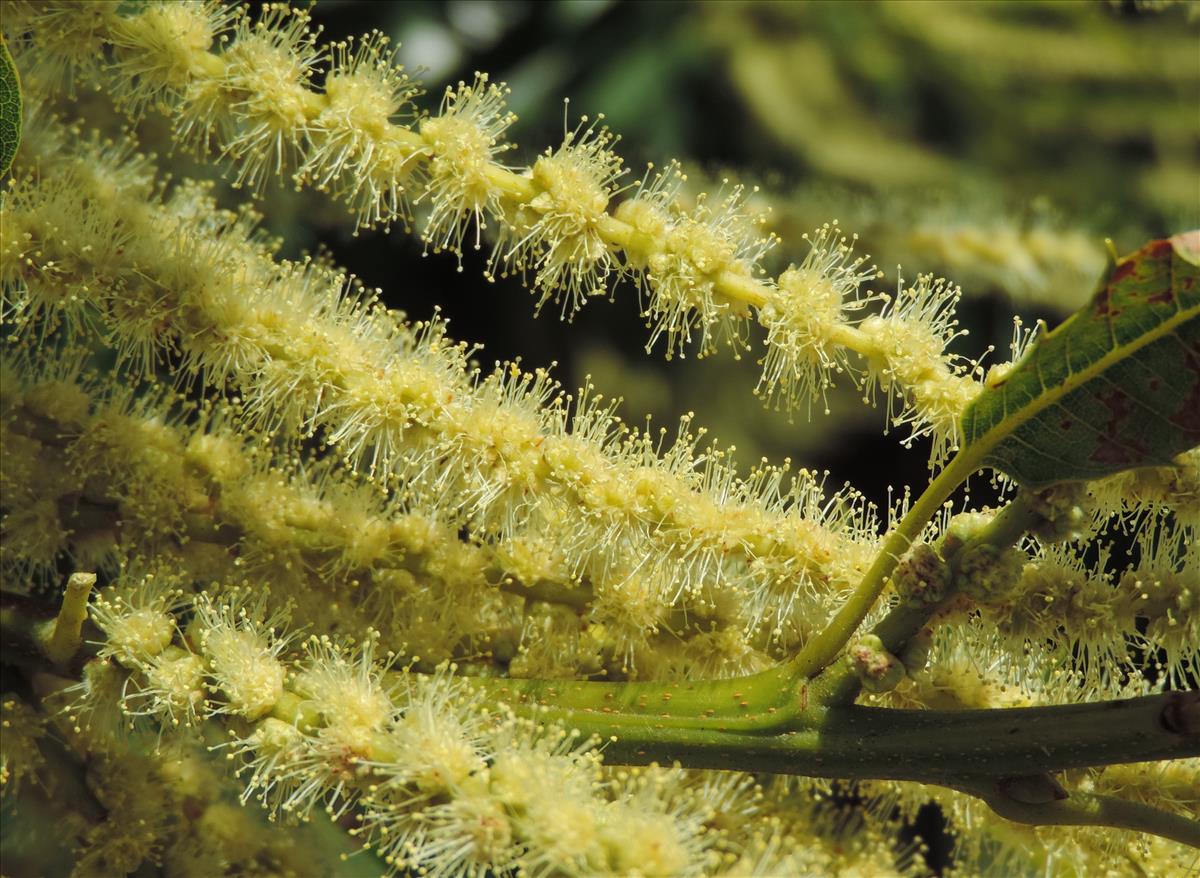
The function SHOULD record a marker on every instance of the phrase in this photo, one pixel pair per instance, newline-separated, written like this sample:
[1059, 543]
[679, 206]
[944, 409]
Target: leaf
[10, 109]
[1115, 386]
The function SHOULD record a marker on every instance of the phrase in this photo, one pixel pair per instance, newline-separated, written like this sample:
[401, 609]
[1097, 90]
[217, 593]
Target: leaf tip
[1187, 245]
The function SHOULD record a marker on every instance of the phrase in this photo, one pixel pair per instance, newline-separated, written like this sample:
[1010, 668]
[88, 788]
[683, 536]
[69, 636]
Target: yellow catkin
[702, 271]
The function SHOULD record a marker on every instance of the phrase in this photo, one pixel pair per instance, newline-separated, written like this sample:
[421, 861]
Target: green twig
[857, 742]
[905, 621]
[824, 647]
[1086, 809]
[973, 750]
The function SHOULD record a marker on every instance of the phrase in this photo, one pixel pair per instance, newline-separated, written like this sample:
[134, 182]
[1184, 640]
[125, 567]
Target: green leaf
[10, 109]
[1116, 386]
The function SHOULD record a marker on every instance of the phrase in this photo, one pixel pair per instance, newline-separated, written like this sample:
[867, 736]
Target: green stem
[897, 629]
[1087, 809]
[823, 648]
[972, 750]
[759, 702]
[930, 746]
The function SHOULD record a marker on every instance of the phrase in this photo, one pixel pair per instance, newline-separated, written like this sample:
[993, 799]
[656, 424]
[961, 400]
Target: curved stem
[821, 650]
[1087, 809]
[897, 629]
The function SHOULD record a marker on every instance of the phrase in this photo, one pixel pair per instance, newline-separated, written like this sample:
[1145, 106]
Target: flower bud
[877, 669]
[1061, 509]
[922, 578]
[988, 574]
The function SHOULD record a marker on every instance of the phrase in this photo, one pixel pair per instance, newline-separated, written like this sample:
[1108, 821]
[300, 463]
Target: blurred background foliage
[994, 143]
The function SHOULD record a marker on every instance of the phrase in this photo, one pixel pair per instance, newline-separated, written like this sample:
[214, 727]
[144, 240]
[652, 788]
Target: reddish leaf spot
[1158, 249]
[1065, 424]
[1118, 407]
[1109, 454]
[1188, 415]
[1115, 447]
